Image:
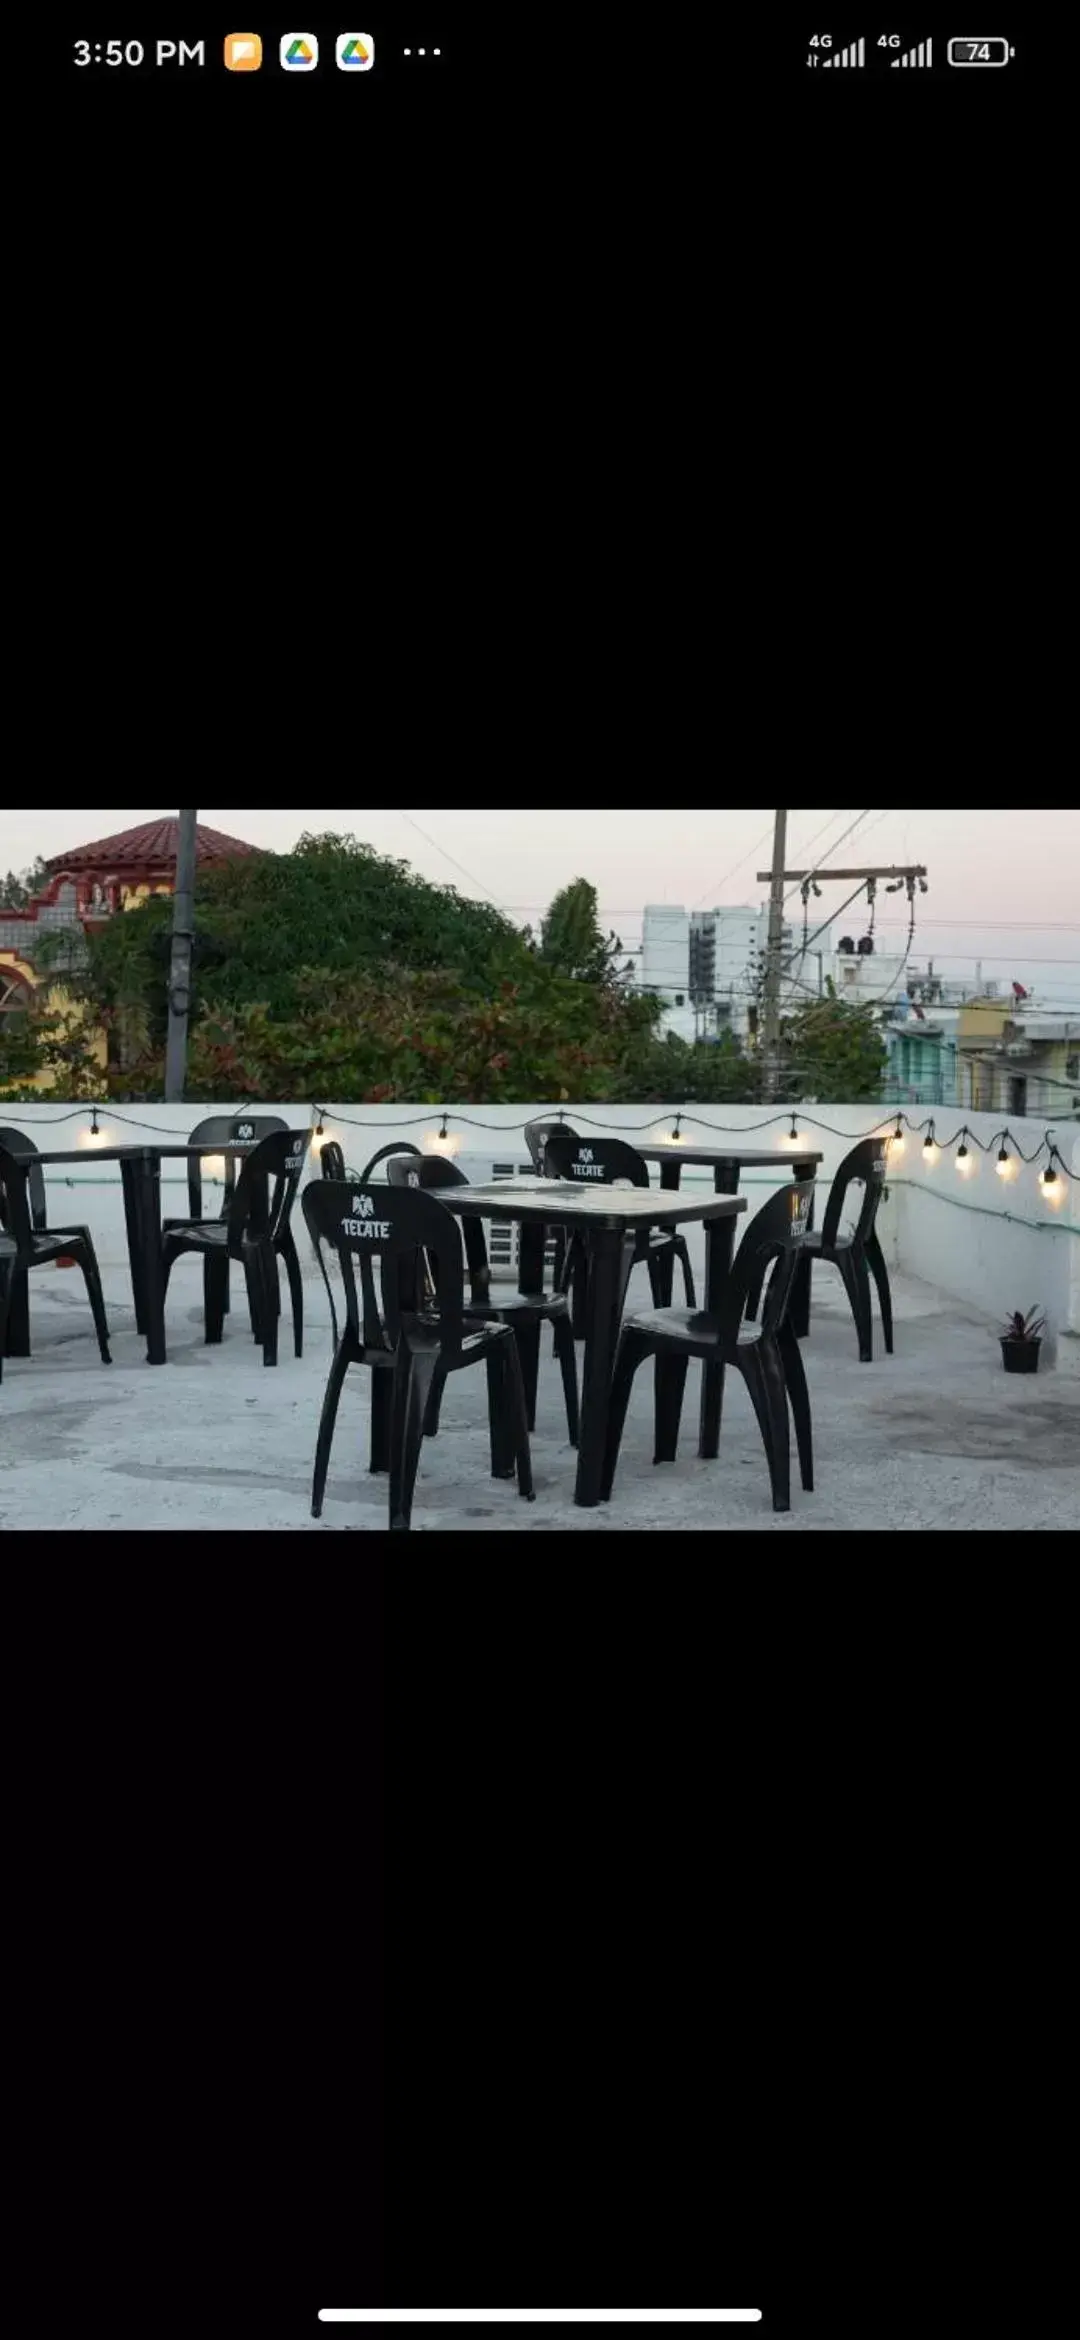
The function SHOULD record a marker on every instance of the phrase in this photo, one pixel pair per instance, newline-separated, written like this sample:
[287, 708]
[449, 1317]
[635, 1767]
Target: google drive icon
[356, 52]
[299, 52]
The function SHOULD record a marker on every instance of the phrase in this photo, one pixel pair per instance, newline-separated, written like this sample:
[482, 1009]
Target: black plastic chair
[858, 1254]
[257, 1233]
[524, 1312]
[398, 1146]
[766, 1354]
[601, 1162]
[537, 1133]
[215, 1132]
[23, 1213]
[411, 1350]
[333, 1165]
[8, 1261]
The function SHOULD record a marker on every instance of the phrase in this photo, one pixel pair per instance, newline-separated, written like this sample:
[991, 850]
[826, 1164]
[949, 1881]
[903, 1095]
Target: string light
[1004, 1160]
[896, 1141]
[1051, 1186]
[676, 1132]
[442, 1137]
[94, 1136]
[964, 1157]
[931, 1148]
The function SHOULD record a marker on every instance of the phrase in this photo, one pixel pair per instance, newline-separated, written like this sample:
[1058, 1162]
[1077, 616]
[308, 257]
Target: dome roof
[152, 845]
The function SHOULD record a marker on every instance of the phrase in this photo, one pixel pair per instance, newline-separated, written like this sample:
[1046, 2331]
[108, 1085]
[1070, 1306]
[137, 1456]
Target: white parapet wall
[995, 1243]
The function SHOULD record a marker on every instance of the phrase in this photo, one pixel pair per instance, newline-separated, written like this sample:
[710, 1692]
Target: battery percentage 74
[968, 52]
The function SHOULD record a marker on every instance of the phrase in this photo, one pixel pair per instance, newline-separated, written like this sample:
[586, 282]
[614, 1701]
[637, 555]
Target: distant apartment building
[707, 967]
[1015, 1057]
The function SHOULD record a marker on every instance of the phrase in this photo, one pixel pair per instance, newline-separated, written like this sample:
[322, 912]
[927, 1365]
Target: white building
[665, 965]
[708, 967]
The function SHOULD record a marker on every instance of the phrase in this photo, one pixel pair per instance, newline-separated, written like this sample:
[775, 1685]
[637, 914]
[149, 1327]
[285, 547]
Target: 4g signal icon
[853, 55]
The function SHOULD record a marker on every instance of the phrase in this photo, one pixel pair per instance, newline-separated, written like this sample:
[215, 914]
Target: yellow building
[87, 886]
[1016, 1058]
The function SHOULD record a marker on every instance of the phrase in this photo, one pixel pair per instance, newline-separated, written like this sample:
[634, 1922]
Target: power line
[845, 834]
[458, 865]
[755, 848]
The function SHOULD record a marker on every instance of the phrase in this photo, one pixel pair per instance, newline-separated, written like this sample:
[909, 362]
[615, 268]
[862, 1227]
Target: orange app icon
[243, 52]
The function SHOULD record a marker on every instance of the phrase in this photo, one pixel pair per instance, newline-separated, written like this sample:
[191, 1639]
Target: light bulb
[441, 1140]
[896, 1141]
[1004, 1164]
[1049, 1176]
[930, 1153]
[963, 1160]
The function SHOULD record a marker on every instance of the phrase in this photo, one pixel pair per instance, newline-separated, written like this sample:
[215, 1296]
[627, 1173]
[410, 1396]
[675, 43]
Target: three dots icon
[421, 52]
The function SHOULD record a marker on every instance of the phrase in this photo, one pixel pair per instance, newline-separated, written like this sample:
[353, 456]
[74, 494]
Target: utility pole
[895, 880]
[773, 952]
[180, 965]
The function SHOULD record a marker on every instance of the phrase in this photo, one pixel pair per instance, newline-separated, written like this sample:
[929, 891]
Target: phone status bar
[879, 56]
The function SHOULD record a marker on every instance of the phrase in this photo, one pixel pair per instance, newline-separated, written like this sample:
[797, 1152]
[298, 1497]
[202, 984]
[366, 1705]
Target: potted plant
[1021, 1340]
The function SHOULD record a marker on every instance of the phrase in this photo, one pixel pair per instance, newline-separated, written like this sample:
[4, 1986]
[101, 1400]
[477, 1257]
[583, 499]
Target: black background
[646, 2014]
[586, 1922]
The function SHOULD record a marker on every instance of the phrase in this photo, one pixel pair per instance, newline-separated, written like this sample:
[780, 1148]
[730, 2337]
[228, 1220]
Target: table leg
[531, 1240]
[719, 1253]
[17, 1343]
[670, 1174]
[128, 1180]
[603, 1247]
[153, 1274]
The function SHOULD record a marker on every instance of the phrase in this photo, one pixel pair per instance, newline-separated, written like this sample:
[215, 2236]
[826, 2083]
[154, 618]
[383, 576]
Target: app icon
[243, 52]
[356, 52]
[300, 52]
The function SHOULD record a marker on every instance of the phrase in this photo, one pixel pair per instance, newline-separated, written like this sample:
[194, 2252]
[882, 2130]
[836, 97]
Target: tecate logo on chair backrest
[879, 1166]
[800, 1212]
[413, 1178]
[585, 1167]
[363, 1221]
[244, 1132]
[296, 1158]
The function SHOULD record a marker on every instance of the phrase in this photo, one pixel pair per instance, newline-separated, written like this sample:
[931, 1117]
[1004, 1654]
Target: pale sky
[1003, 883]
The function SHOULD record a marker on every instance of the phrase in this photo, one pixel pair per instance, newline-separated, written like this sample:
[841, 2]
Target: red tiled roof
[152, 844]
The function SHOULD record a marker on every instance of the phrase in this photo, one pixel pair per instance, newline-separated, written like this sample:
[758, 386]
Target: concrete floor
[936, 1436]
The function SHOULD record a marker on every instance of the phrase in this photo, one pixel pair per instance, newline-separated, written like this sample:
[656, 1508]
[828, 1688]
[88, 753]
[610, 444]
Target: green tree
[332, 970]
[50, 1040]
[17, 892]
[570, 936]
[831, 1049]
[700, 1072]
[536, 1035]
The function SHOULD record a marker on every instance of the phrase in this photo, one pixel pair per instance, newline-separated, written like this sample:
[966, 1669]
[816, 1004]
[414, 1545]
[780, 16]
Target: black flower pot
[1020, 1356]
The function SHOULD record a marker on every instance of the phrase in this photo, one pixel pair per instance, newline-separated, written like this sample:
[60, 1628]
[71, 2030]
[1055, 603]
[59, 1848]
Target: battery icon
[980, 52]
